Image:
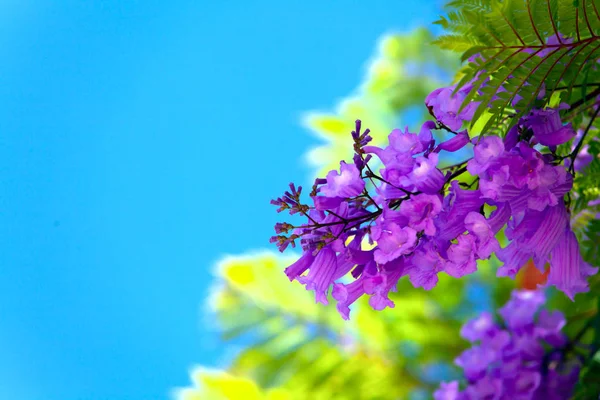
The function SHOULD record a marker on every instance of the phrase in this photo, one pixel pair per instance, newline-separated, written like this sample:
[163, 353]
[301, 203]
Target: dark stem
[582, 332]
[583, 315]
[544, 46]
[345, 221]
[579, 102]
[456, 165]
[470, 185]
[334, 214]
[394, 186]
[573, 154]
[440, 125]
[367, 195]
[456, 173]
[577, 86]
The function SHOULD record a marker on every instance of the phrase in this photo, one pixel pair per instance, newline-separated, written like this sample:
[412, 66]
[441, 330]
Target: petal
[447, 391]
[568, 271]
[346, 295]
[520, 310]
[512, 137]
[297, 268]
[320, 275]
[454, 144]
[560, 136]
[478, 328]
[327, 203]
[514, 258]
[499, 217]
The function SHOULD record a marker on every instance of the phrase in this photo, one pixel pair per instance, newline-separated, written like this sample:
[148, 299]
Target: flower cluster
[366, 230]
[510, 360]
[518, 178]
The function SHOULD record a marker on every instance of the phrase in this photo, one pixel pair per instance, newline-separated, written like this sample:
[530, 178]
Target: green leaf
[512, 67]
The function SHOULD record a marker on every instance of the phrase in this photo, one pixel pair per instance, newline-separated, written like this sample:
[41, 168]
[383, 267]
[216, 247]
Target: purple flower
[346, 294]
[457, 204]
[379, 286]
[584, 158]
[552, 185]
[456, 143]
[297, 268]
[445, 106]
[512, 138]
[420, 210]
[487, 388]
[461, 257]
[447, 391]
[398, 155]
[558, 383]
[327, 203]
[548, 128]
[425, 175]
[487, 243]
[397, 168]
[426, 263]
[479, 328]
[535, 236]
[524, 384]
[393, 241]
[512, 363]
[553, 40]
[522, 176]
[475, 361]
[499, 217]
[485, 152]
[549, 326]
[347, 183]
[518, 313]
[525, 165]
[320, 274]
[568, 271]
[425, 135]
[405, 142]
[423, 221]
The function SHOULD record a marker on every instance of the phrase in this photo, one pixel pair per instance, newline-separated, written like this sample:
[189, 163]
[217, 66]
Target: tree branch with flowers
[468, 240]
[526, 107]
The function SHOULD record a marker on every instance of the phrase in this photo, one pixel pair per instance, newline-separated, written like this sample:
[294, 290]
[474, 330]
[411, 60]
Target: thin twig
[575, 152]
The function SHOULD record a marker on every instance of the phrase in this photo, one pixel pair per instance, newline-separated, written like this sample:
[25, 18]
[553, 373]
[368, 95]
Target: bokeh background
[139, 143]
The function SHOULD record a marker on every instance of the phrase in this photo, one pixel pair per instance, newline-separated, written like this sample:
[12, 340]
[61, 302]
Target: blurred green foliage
[221, 385]
[307, 351]
[406, 68]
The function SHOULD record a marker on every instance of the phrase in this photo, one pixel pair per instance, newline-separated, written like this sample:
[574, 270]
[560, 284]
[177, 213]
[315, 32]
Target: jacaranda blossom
[394, 212]
[522, 357]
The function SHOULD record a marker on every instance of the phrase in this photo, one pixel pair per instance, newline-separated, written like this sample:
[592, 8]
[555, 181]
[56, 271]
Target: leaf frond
[522, 52]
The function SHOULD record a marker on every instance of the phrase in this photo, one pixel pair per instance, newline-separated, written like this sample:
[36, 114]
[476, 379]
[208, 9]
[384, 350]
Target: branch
[573, 155]
[584, 100]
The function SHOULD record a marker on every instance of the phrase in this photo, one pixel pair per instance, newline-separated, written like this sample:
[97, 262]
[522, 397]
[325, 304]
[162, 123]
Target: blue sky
[139, 142]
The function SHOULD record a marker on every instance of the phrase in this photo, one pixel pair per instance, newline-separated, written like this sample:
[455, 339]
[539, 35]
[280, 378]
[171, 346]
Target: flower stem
[573, 154]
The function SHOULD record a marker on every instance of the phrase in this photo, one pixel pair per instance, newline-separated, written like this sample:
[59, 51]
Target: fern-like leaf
[522, 52]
